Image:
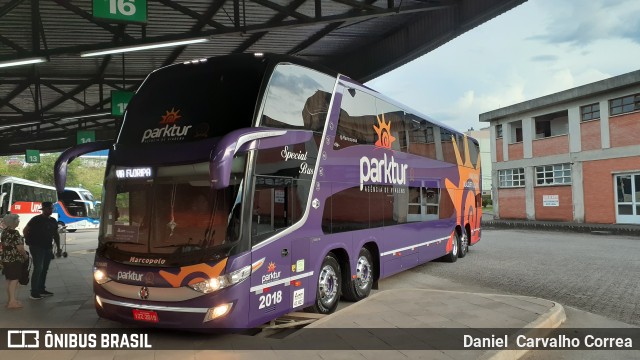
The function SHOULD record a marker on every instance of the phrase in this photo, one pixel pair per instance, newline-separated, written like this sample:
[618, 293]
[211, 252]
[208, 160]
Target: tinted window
[357, 117]
[188, 102]
[297, 97]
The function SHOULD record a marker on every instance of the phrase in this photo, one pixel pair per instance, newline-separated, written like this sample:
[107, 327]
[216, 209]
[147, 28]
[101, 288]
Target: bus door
[271, 259]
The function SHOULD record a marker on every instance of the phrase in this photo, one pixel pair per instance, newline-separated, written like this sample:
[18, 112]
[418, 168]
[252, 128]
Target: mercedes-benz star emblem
[144, 293]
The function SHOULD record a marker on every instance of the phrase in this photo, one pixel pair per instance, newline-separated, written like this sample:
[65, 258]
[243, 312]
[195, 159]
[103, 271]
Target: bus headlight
[222, 281]
[100, 276]
[218, 311]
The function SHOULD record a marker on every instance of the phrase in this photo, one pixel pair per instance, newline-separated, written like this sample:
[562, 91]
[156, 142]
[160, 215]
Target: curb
[573, 227]
[552, 319]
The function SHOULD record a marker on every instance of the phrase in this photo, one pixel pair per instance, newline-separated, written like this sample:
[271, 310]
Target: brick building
[569, 156]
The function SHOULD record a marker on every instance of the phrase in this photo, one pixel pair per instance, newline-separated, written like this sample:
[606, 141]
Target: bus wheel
[328, 291]
[360, 287]
[71, 230]
[464, 245]
[453, 255]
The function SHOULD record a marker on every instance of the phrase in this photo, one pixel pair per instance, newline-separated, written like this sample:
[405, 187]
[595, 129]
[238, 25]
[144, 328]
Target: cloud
[580, 23]
[544, 58]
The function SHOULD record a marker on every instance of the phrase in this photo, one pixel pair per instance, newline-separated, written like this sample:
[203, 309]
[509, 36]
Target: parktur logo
[383, 170]
[170, 131]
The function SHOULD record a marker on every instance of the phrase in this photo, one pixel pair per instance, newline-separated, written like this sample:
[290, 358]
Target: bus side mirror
[60, 167]
[243, 140]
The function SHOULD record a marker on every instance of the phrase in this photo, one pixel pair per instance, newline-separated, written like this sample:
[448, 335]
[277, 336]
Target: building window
[553, 174]
[624, 104]
[516, 131]
[511, 177]
[498, 131]
[590, 112]
[552, 124]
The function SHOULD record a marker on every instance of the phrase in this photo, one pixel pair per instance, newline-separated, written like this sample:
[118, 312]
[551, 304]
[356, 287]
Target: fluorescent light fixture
[26, 61]
[39, 141]
[143, 47]
[26, 123]
[85, 116]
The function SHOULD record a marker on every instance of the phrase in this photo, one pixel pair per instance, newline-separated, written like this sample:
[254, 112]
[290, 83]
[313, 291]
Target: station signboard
[121, 10]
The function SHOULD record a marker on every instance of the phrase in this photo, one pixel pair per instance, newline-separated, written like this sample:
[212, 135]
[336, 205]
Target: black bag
[26, 269]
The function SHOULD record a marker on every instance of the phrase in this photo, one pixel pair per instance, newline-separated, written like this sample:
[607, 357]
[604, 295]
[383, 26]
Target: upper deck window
[367, 120]
[297, 98]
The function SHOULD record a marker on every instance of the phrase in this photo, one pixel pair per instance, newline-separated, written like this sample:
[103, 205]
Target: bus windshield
[170, 210]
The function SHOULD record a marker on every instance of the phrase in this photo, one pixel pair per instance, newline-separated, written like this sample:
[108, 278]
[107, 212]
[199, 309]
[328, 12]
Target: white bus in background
[78, 209]
[25, 198]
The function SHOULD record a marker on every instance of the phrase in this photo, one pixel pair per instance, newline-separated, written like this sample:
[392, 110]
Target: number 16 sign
[121, 10]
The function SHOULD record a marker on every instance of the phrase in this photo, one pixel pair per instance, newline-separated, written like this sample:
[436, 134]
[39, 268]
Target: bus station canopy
[43, 105]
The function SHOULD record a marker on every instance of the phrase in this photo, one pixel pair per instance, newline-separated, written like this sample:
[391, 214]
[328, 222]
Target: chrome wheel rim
[328, 285]
[465, 242]
[363, 273]
[454, 250]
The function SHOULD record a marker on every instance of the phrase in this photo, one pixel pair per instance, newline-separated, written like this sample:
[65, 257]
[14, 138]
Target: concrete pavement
[397, 324]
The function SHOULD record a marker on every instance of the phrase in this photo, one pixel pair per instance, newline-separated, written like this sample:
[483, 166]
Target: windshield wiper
[111, 243]
[174, 246]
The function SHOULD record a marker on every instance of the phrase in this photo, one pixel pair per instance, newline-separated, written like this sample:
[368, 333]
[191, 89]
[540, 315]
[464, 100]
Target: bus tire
[463, 249]
[329, 286]
[71, 230]
[360, 287]
[453, 255]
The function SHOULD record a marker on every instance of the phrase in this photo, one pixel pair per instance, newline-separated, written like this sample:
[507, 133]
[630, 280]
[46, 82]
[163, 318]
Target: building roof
[598, 87]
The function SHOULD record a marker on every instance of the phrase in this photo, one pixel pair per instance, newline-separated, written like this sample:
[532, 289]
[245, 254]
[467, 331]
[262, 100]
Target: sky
[536, 49]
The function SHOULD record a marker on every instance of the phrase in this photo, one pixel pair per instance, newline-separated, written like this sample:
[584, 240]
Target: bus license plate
[144, 315]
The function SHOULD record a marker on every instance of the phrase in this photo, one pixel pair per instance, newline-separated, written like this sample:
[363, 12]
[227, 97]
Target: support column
[604, 124]
[506, 139]
[437, 139]
[575, 138]
[494, 194]
[577, 191]
[528, 134]
[492, 141]
[529, 194]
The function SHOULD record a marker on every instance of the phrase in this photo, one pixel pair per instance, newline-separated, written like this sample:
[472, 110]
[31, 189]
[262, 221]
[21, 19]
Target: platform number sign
[121, 10]
[119, 101]
[32, 156]
[86, 136]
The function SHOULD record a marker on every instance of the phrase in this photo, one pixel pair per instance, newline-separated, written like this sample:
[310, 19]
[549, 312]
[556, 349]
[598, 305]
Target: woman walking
[13, 257]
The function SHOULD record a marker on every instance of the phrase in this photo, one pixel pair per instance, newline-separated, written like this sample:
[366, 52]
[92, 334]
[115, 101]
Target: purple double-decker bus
[244, 187]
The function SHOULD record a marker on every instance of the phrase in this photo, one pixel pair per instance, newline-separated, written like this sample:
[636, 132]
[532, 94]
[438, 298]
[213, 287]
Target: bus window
[282, 184]
[5, 192]
[390, 119]
[357, 114]
[298, 98]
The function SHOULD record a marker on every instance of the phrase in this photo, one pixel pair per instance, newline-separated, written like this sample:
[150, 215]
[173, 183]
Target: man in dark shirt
[40, 233]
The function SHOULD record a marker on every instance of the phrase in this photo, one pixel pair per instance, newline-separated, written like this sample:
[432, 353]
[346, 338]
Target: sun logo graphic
[464, 192]
[272, 267]
[171, 116]
[383, 130]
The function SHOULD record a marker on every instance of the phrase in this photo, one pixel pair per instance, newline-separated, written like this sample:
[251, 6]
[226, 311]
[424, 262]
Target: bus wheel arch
[358, 287]
[328, 286]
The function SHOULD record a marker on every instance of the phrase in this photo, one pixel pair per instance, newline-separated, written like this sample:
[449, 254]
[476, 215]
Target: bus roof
[17, 180]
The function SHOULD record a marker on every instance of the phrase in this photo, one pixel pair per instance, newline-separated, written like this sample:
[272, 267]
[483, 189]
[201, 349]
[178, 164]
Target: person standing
[13, 257]
[40, 234]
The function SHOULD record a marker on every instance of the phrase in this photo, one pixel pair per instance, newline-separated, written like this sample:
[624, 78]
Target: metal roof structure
[43, 105]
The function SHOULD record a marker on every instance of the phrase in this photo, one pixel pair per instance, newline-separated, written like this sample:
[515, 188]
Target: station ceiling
[42, 106]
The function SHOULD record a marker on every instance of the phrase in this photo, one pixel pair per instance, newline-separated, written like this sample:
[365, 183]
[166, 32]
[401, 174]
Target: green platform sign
[121, 10]
[32, 156]
[119, 101]
[86, 136]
